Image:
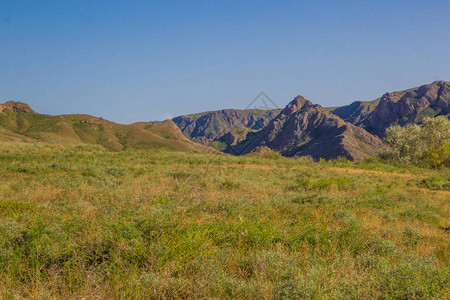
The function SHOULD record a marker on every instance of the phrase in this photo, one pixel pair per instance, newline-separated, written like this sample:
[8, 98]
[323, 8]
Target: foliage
[427, 145]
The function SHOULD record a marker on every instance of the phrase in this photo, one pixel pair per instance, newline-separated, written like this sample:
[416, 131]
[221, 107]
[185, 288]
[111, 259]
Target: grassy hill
[18, 122]
[78, 221]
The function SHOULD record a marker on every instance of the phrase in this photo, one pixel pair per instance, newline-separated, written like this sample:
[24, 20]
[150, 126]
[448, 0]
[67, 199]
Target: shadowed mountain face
[305, 129]
[357, 112]
[234, 136]
[18, 122]
[404, 107]
[209, 126]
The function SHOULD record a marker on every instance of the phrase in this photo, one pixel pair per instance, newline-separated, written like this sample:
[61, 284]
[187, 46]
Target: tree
[427, 144]
[403, 142]
[436, 135]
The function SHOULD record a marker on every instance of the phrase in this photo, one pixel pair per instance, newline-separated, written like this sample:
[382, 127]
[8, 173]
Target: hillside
[402, 107]
[305, 129]
[230, 138]
[209, 126]
[357, 112]
[18, 122]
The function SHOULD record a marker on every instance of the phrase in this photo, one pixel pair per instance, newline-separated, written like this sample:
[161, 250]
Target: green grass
[436, 183]
[82, 222]
[18, 125]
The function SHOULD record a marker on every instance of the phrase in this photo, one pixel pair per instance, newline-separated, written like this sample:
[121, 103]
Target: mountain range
[352, 131]
[302, 128]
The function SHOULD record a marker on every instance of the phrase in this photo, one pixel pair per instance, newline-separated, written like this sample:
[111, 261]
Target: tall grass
[81, 222]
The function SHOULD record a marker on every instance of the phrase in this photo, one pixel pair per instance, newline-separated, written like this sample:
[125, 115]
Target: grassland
[82, 222]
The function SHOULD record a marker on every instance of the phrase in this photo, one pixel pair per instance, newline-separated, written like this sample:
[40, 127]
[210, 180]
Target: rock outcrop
[17, 106]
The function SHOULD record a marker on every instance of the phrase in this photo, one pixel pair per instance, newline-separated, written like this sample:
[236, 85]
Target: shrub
[403, 142]
[427, 145]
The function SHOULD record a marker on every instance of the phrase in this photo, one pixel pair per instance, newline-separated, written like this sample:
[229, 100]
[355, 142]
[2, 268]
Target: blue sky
[133, 61]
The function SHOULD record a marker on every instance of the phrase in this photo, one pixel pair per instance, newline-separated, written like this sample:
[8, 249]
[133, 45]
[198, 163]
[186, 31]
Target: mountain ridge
[409, 106]
[208, 126]
[301, 128]
[306, 129]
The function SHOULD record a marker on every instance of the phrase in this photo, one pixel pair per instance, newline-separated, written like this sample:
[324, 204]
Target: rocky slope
[18, 122]
[209, 126]
[403, 107]
[305, 129]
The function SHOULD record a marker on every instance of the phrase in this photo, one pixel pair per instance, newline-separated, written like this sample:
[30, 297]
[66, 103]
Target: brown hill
[305, 129]
[18, 122]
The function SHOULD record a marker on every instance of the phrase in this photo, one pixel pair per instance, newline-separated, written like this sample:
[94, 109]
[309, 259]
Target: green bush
[427, 145]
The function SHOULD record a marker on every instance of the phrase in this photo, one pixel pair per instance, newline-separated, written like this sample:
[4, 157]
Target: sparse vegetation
[77, 221]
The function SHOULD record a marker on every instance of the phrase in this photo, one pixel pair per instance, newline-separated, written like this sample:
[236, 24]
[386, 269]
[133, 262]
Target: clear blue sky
[133, 61]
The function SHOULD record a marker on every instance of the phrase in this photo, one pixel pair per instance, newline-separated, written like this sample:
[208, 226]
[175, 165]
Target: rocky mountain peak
[298, 103]
[386, 96]
[303, 128]
[440, 82]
